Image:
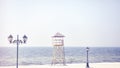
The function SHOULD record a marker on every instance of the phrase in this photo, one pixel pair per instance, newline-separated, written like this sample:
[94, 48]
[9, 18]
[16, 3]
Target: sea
[43, 55]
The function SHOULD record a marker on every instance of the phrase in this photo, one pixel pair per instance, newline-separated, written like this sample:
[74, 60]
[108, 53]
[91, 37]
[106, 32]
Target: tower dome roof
[58, 35]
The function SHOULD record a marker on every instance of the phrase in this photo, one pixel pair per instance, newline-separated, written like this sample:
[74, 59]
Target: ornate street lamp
[10, 38]
[87, 63]
[17, 41]
[25, 38]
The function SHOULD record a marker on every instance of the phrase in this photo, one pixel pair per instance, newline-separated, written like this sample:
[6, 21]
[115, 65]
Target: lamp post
[87, 63]
[17, 41]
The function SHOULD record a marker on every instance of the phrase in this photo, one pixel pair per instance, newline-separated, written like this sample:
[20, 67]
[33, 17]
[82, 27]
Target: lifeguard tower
[58, 49]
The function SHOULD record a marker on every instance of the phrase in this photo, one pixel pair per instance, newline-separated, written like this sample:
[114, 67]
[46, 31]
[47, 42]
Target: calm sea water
[43, 55]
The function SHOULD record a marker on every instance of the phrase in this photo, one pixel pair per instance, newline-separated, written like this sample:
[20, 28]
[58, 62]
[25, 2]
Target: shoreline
[79, 65]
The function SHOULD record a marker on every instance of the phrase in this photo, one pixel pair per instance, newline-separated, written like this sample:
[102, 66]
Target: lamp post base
[87, 66]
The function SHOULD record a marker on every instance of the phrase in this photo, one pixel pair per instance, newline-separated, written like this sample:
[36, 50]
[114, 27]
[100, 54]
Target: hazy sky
[83, 22]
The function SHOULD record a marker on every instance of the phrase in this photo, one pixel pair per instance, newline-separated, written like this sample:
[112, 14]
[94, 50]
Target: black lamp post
[87, 63]
[17, 41]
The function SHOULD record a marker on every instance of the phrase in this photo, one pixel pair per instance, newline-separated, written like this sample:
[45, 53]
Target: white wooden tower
[58, 49]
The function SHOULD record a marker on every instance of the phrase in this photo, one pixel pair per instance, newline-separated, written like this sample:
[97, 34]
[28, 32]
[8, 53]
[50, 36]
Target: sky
[92, 23]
